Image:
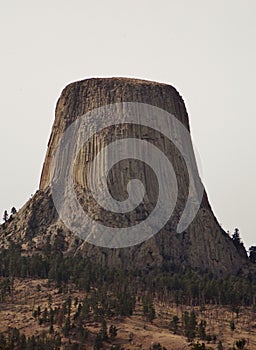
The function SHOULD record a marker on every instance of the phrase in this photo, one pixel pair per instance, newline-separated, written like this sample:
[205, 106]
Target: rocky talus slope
[203, 245]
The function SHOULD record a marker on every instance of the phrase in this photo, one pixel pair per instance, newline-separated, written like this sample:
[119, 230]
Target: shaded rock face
[203, 245]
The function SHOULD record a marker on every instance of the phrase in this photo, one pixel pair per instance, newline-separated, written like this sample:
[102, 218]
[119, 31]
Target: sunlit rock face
[203, 245]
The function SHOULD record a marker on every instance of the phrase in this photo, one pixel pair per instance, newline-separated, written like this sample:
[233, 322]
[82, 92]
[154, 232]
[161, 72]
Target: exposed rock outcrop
[203, 245]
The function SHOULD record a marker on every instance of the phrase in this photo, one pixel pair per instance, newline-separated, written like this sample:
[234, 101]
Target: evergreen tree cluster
[113, 292]
[172, 285]
[14, 340]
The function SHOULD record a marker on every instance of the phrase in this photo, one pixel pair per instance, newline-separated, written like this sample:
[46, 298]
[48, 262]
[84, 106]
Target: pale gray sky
[205, 48]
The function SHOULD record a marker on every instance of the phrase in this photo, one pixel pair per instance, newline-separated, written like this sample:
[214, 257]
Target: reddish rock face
[203, 245]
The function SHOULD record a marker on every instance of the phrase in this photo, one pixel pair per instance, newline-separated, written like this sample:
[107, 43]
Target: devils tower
[202, 245]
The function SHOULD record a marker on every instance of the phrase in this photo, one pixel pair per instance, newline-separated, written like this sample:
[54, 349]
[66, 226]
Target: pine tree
[66, 327]
[252, 254]
[5, 216]
[31, 344]
[236, 236]
[51, 329]
[174, 324]
[189, 324]
[220, 346]
[201, 330]
[240, 344]
[23, 342]
[112, 331]
[97, 342]
[2, 341]
[13, 211]
[103, 330]
[148, 308]
[45, 315]
[232, 325]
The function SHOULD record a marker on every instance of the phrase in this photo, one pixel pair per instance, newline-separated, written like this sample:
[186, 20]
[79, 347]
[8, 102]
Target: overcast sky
[205, 48]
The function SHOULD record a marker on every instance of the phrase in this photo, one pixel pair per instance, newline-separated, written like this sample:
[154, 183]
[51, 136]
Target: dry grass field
[132, 332]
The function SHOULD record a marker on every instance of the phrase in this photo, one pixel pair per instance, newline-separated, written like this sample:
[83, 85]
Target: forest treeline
[179, 286]
[112, 292]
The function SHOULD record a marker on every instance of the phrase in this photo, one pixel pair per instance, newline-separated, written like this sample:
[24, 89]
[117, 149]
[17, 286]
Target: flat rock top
[119, 82]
